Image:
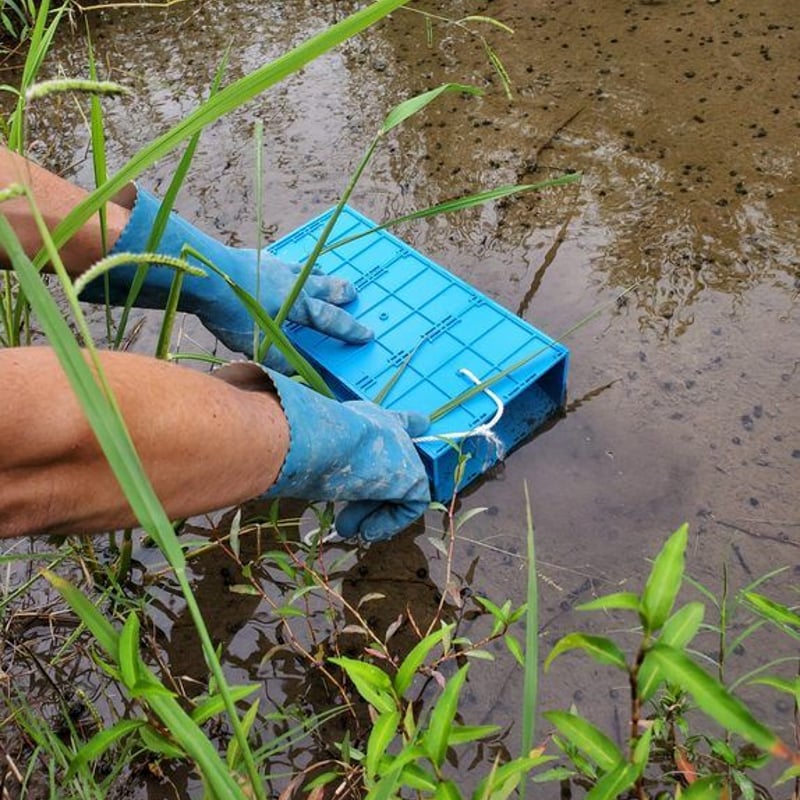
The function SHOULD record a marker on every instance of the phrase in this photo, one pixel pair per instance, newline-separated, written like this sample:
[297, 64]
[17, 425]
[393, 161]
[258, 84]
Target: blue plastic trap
[432, 326]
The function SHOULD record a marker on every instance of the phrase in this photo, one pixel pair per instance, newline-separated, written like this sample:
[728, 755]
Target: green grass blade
[446, 408]
[272, 331]
[530, 688]
[259, 180]
[462, 203]
[222, 103]
[401, 112]
[160, 224]
[587, 738]
[100, 742]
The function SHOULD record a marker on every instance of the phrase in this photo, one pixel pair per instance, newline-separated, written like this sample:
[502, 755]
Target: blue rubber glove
[354, 451]
[211, 299]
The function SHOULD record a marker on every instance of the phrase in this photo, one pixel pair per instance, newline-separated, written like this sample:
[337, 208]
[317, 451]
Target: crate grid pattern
[435, 324]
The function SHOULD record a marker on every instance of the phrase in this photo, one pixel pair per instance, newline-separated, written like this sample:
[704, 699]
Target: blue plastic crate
[438, 325]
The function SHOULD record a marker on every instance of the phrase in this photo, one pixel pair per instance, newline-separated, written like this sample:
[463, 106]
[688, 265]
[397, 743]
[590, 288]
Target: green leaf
[100, 742]
[381, 736]
[598, 647]
[157, 743]
[791, 687]
[774, 612]
[506, 777]
[462, 734]
[211, 706]
[713, 698]
[439, 727]
[446, 790]
[100, 627]
[677, 632]
[664, 581]
[789, 774]
[401, 112]
[628, 601]
[415, 659]
[515, 648]
[587, 738]
[129, 651]
[641, 751]
[372, 684]
[708, 787]
[235, 751]
[614, 783]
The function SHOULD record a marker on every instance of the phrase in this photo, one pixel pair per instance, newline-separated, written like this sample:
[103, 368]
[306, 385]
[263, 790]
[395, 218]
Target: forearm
[200, 456]
[55, 198]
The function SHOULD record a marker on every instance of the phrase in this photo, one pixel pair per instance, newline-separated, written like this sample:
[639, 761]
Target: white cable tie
[485, 430]
[313, 537]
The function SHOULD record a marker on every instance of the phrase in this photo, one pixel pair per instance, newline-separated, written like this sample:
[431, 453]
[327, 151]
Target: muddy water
[683, 403]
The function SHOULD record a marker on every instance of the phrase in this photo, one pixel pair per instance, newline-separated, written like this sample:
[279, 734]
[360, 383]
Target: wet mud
[684, 118]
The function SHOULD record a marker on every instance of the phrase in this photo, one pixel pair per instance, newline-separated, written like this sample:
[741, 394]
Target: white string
[486, 430]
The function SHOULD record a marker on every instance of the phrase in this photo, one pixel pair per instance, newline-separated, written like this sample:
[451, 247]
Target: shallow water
[683, 117]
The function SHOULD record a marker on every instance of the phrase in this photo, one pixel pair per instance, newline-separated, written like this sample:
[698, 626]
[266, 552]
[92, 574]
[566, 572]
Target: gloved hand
[353, 451]
[211, 299]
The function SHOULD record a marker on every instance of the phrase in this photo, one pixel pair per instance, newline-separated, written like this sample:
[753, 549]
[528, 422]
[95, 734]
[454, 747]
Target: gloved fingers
[415, 423]
[377, 521]
[329, 319]
[333, 290]
[296, 269]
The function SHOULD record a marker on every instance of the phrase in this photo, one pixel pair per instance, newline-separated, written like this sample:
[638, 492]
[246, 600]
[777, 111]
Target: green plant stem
[530, 687]
[289, 301]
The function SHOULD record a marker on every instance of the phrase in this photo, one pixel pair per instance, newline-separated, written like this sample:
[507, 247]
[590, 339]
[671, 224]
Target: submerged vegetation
[96, 699]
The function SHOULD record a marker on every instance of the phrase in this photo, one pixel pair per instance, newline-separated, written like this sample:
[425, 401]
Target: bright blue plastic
[419, 309]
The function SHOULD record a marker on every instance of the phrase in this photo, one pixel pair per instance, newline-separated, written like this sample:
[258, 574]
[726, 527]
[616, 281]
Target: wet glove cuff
[196, 291]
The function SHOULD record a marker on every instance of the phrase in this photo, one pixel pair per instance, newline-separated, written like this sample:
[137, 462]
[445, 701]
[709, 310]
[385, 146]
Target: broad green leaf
[371, 683]
[100, 742]
[154, 741]
[713, 698]
[447, 790]
[211, 706]
[415, 659]
[664, 581]
[415, 777]
[500, 777]
[598, 647]
[775, 612]
[677, 632]
[401, 112]
[587, 738]
[708, 787]
[614, 783]
[383, 732]
[462, 734]
[628, 601]
[438, 733]
[129, 651]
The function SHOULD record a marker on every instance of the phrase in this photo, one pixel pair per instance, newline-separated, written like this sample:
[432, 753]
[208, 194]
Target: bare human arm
[200, 456]
[55, 197]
